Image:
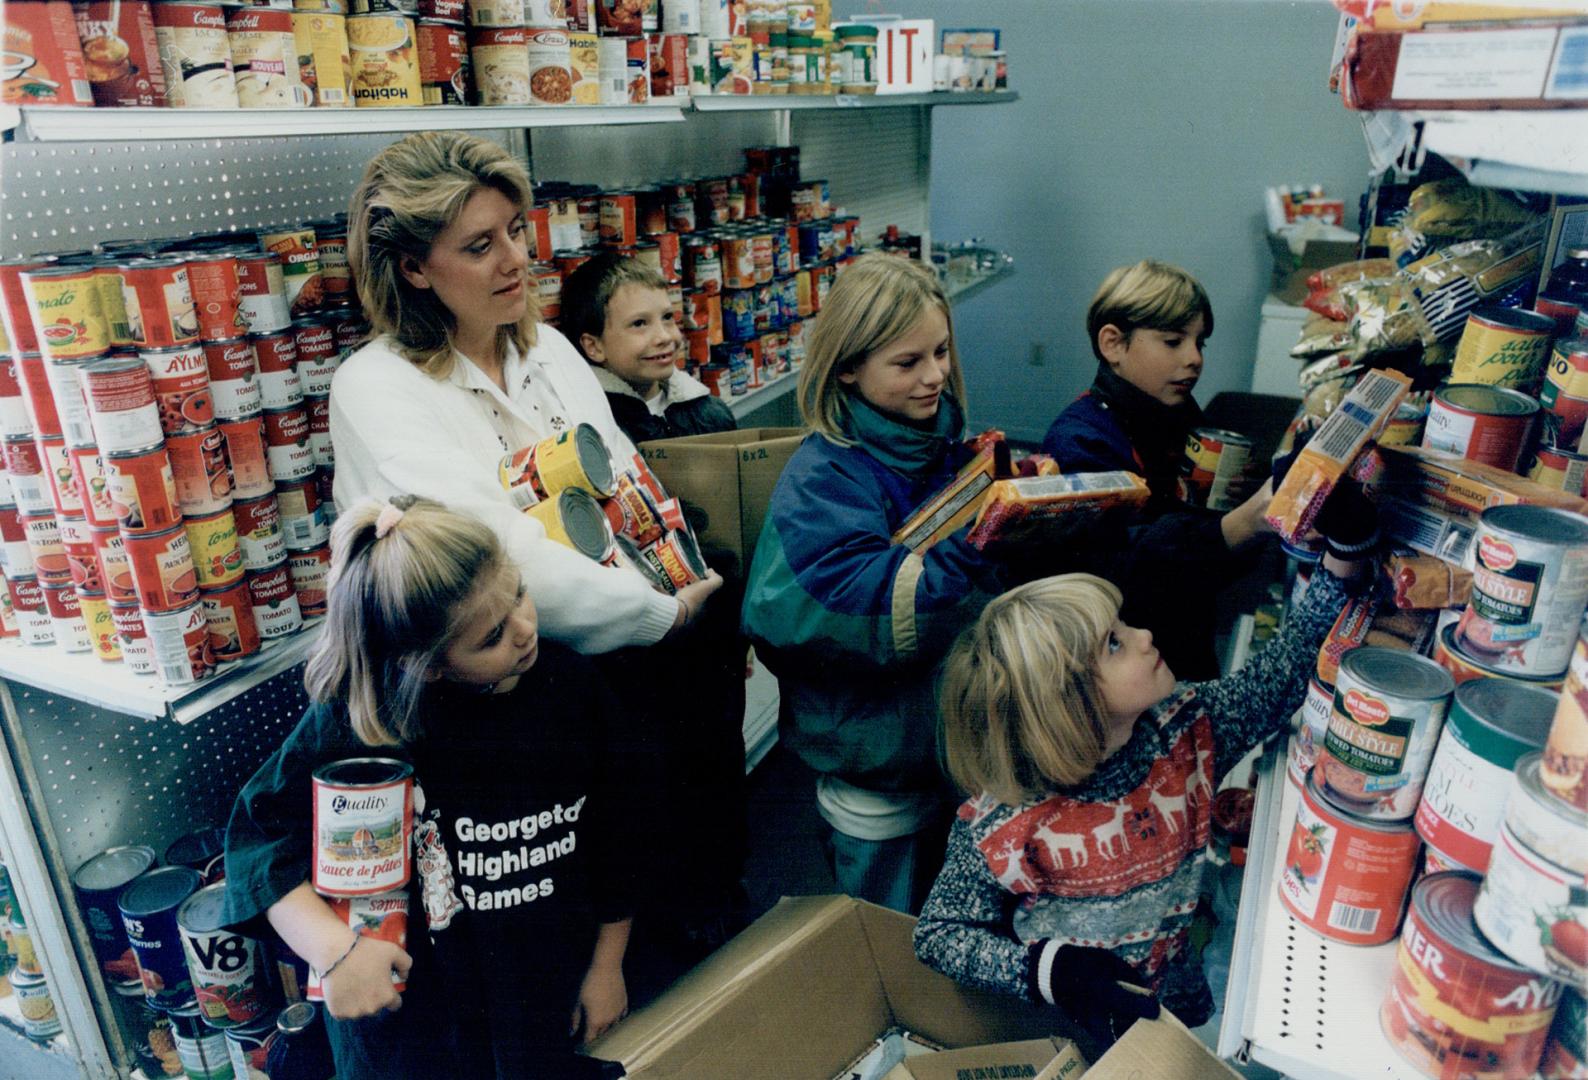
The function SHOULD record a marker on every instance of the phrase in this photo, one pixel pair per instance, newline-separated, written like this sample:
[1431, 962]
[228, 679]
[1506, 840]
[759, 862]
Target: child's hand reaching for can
[361, 984]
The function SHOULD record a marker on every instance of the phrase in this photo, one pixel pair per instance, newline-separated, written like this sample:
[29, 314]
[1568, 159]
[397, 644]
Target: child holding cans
[525, 831]
[1147, 325]
[1077, 861]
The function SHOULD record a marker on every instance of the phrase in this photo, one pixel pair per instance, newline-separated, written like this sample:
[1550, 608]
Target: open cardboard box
[805, 991]
[1291, 270]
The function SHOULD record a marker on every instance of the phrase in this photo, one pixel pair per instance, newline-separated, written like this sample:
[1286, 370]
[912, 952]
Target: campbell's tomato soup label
[275, 603]
[363, 823]
[1529, 588]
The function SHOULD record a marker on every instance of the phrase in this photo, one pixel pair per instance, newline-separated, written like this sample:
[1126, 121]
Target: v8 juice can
[1529, 589]
[1492, 723]
[1345, 876]
[1388, 709]
[98, 883]
[226, 967]
[148, 912]
[1457, 1007]
[363, 825]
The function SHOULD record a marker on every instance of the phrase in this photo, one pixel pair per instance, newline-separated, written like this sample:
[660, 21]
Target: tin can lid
[1443, 906]
[158, 890]
[298, 1016]
[112, 364]
[585, 523]
[255, 1033]
[23, 980]
[1515, 319]
[129, 989]
[1542, 523]
[113, 868]
[1546, 823]
[594, 458]
[202, 913]
[1233, 437]
[1489, 400]
[1333, 802]
[144, 262]
[196, 847]
[1394, 671]
[1501, 717]
[363, 772]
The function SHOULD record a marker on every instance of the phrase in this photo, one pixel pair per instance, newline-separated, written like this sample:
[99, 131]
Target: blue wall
[1144, 128]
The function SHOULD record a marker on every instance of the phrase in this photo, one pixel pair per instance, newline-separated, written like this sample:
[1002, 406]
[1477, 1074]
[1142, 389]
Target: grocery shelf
[82, 677]
[1298, 1002]
[959, 291]
[1527, 149]
[771, 102]
[767, 392]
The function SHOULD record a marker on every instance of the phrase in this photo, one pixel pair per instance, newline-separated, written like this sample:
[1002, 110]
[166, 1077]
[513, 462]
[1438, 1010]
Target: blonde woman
[461, 371]
[851, 623]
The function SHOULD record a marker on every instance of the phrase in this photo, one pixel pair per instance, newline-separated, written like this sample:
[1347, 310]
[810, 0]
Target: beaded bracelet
[326, 974]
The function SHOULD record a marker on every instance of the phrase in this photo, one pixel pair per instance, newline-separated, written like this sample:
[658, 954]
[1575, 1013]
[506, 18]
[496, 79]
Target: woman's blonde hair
[875, 301]
[410, 192]
[396, 602]
[1022, 711]
[1148, 294]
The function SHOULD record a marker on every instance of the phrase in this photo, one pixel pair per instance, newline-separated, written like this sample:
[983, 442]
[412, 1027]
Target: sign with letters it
[904, 55]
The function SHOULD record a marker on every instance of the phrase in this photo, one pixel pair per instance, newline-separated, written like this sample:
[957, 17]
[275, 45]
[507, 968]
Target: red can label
[287, 447]
[310, 572]
[180, 643]
[217, 560]
[443, 63]
[303, 520]
[217, 297]
[66, 616]
[245, 454]
[362, 827]
[276, 612]
[44, 545]
[26, 473]
[262, 291]
[93, 487]
[181, 387]
[159, 302]
[279, 384]
[81, 558]
[234, 377]
[115, 570]
[135, 650]
[198, 465]
[57, 468]
[259, 532]
[229, 616]
[121, 54]
[36, 394]
[45, 62]
[317, 356]
[383, 916]
[71, 404]
[142, 491]
[162, 570]
[122, 403]
[14, 419]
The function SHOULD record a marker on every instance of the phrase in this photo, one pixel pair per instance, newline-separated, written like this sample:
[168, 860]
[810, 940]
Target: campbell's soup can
[385, 60]
[162, 569]
[1503, 346]
[300, 267]
[1481, 423]
[382, 915]
[246, 456]
[1529, 589]
[259, 531]
[262, 292]
[179, 641]
[121, 403]
[66, 616]
[181, 387]
[287, 449]
[275, 603]
[198, 465]
[500, 58]
[265, 59]
[317, 357]
[158, 299]
[311, 572]
[1346, 876]
[234, 377]
[136, 652]
[1492, 723]
[1214, 460]
[276, 360]
[43, 537]
[1389, 707]
[148, 913]
[217, 296]
[1564, 768]
[320, 432]
[444, 65]
[326, 66]
[363, 826]
[44, 63]
[1456, 1006]
[212, 541]
[350, 330]
[142, 491]
[227, 968]
[1566, 1052]
[68, 317]
[27, 606]
[195, 55]
[115, 569]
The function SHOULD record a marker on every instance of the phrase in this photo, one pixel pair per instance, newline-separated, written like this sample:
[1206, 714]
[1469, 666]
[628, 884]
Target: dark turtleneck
[1156, 431]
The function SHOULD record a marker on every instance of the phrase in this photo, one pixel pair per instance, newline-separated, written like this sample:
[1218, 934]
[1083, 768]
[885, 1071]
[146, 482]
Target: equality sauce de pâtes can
[363, 822]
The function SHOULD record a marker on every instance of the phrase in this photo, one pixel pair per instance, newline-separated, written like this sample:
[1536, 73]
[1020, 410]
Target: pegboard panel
[876, 163]
[61, 196]
[106, 778]
[710, 144]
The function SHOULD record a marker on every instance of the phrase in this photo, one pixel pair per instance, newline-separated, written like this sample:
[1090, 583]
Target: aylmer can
[1534, 901]
[1566, 1053]
[1456, 1007]
[1529, 589]
[181, 379]
[122, 403]
[148, 911]
[229, 620]
[226, 967]
[179, 641]
[1492, 723]
[1481, 423]
[98, 883]
[363, 826]
[1346, 876]
[1389, 707]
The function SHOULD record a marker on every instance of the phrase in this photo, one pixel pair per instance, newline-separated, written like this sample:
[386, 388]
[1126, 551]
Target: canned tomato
[121, 402]
[500, 58]
[574, 519]
[15, 555]
[198, 465]
[212, 541]
[217, 296]
[443, 63]
[200, 1048]
[1215, 460]
[68, 318]
[550, 75]
[162, 569]
[317, 360]
[143, 491]
[179, 643]
[195, 55]
[233, 375]
[57, 469]
[44, 63]
[1492, 723]
[1529, 589]
[1564, 768]
[319, 409]
[287, 450]
[1503, 346]
[136, 652]
[1566, 1052]
[276, 360]
[181, 387]
[43, 537]
[98, 883]
[323, 60]
[262, 292]
[66, 617]
[27, 606]
[310, 570]
[148, 912]
[158, 298]
[245, 456]
[385, 66]
[1389, 707]
[15, 308]
[1535, 910]
[115, 570]
[576, 458]
[363, 825]
[227, 968]
[300, 263]
[382, 915]
[1345, 876]
[248, 1047]
[265, 59]
[1463, 666]
[39, 1021]
[1481, 423]
[676, 558]
[275, 603]
[1456, 1007]
[259, 532]
[37, 397]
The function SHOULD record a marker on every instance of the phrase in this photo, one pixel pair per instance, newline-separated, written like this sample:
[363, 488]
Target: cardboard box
[1523, 65]
[1043, 1059]
[808, 988]
[725, 481]
[1292, 270]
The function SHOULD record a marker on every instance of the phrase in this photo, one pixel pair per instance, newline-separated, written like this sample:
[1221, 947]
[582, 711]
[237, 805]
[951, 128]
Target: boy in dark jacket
[1147, 325]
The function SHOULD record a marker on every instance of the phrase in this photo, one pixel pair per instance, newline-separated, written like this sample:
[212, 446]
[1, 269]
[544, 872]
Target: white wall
[1144, 128]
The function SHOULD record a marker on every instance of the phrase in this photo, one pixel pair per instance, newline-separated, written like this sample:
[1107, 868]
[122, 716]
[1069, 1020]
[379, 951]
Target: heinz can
[1503, 346]
[226, 968]
[68, 318]
[300, 264]
[385, 63]
[158, 299]
[444, 65]
[1456, 1006]
[1529, 589]
[265, 59]
[198, 465]
[136, 652]
[217, 561]
[229, 618]
[195, 55]
[115, 570]
[383, 916]
[1564, 768]
[48, 552]
[179, 642]
[311, 572]
[162, 569]
[234, 377]
[1492, 723]
[363, 826]
[148, 912]
[1346, 876]
[122, 404]
[262, 292]
[98, 883]
[217, 296]
[324, 61]
[1214, 460]
[142, 491]
[276, 611]
[576, 458]
[1481, 423]
[1389, 707]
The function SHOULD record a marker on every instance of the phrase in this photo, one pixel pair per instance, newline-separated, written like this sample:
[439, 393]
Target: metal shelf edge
[1240, 1004]
[749, 401]
[978, 285]
[754, 103]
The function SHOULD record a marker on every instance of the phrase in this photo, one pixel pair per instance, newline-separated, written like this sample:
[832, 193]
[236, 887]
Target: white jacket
[395, 429]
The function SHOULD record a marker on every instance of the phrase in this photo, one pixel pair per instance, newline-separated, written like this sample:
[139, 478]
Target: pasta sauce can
[1529, 589]
[363, 826]
[383, 916]
[1481, 423]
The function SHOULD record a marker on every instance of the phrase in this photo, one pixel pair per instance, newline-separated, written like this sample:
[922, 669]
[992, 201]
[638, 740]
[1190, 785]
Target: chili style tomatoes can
[363, 826]
[1529, 589]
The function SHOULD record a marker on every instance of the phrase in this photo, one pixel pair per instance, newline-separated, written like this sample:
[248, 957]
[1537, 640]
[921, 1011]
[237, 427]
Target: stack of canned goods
[19, 962]
[169, 475]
